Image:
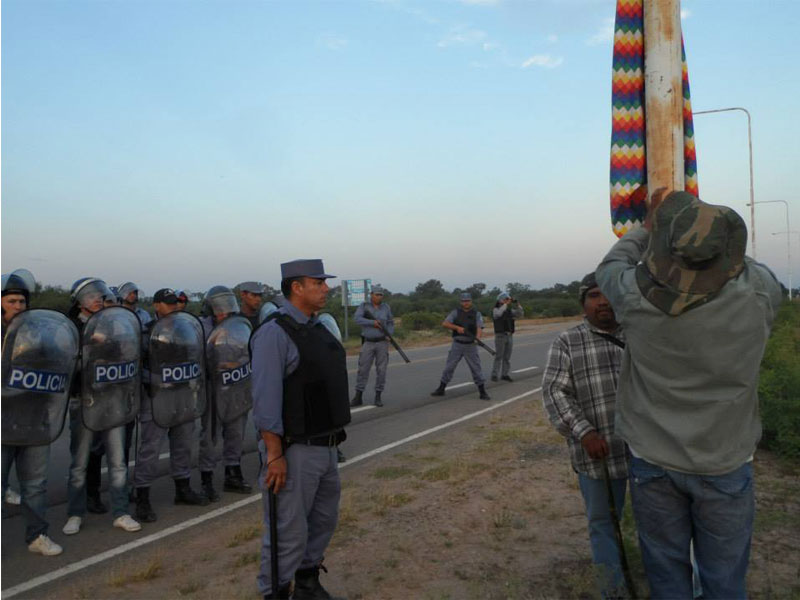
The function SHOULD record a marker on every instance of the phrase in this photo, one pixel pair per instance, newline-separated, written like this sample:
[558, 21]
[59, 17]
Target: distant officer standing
[375, 319]
[505, 312]
[251, 296]
[220, 303]
[181, 436]
[300, 407]
[129, 292]
[466, 323]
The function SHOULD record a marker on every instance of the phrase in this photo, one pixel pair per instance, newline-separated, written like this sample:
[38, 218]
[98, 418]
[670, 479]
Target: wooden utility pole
[663, 89]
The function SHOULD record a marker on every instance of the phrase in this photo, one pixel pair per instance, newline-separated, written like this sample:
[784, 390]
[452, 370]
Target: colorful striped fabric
[628, 162]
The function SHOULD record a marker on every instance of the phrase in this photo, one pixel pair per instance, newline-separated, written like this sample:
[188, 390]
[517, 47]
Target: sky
[188, 144]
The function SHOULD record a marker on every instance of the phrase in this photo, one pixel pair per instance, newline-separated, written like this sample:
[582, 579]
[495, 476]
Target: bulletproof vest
[468, 319]
[505, 324]
[315, 395]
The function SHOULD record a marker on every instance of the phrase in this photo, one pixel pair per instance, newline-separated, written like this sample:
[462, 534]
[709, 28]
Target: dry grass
[245, 534]
[152, 570]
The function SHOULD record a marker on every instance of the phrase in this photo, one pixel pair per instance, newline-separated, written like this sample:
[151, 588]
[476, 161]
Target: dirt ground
[490, 509]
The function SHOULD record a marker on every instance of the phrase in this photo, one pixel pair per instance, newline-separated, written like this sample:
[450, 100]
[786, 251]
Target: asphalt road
[408, 410]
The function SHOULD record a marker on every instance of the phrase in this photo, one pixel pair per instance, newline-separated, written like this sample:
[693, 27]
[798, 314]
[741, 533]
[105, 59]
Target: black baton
[612, 508]
[273, 540]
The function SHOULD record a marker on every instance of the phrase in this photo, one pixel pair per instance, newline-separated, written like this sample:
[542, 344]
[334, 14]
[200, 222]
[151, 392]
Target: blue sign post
[354, 292]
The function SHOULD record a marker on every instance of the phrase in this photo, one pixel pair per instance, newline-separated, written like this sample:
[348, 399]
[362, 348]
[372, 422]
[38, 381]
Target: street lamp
[788, 233]
[750, 148]
[786, 206]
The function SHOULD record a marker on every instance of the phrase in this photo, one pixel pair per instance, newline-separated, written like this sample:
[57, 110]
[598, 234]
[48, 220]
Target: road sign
[355, 291]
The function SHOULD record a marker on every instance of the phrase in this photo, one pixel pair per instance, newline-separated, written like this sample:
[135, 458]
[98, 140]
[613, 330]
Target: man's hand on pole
[276, 462]
[595, 446]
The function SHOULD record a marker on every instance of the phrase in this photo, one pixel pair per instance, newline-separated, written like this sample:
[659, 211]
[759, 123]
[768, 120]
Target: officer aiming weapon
[369, 315]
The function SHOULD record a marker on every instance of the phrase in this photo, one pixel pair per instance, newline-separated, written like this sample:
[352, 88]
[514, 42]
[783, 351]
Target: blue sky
[187, 144]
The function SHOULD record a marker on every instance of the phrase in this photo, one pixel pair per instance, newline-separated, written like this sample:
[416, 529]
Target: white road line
[360, 408]
[458, 385]
[98, 558]
[525, 369]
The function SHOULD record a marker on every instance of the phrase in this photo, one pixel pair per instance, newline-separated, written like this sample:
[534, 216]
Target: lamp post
[786, 206]
[788, 233]
[750, 148]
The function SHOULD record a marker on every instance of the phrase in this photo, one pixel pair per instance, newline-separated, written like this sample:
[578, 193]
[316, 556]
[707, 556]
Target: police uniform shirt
[382, 313]
[274, 356]
[451, 318]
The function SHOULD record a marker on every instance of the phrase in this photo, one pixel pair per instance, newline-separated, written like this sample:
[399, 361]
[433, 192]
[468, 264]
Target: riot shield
[111, 348]
[228, 359]
[177, 369]
[39, 355]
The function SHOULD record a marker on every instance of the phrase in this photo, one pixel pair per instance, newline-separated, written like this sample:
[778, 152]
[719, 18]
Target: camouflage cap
[695, 248]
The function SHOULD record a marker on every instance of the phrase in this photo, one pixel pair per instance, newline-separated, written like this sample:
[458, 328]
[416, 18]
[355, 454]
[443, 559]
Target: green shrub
[418, 320]
[779, 385]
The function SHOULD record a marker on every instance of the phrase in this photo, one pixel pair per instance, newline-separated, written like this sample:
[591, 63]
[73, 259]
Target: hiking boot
[506, 378]
[357, 401]
[378, 399]
[484, 395]
[184, 494]
[208, 485]
[127, 523]
[234, 481]
[45, 546]
[144, 511]
[283, 592]
[95, 505]
[72, 526]
[439, 391]
[307, 585]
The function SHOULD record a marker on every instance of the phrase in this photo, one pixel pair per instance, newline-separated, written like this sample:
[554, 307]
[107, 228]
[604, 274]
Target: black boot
[439, 391]
[506, 378]
[144, 512]
[357, 401]
[184, 494]
[234, 481]
[307, 585]
[378, 399]
[340, 457]
[208, 486]
[484, 395]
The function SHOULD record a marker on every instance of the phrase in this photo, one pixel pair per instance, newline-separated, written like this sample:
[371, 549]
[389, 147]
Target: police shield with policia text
[40, 349]
[466, 323]
[300, 408]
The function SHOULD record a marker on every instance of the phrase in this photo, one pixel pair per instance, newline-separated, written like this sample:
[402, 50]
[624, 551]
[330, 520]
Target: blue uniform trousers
[469, 352]
[151, 438]
[379, 352]
[232, 441]
[308, 509]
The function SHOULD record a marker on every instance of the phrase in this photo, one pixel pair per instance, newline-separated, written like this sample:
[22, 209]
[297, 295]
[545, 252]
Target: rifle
[369, 315]
[475, 339]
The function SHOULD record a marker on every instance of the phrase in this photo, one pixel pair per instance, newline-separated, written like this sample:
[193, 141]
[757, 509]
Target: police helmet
[126, 288]
[330, 324]
[87, 289]
[270, 307]
[219, 300]
[20, 281]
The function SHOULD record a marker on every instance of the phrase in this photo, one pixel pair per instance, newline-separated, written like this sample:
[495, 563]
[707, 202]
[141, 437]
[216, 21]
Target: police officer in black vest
[300, 408]
[466, 323]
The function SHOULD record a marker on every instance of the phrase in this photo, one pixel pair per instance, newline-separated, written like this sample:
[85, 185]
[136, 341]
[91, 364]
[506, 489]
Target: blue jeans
[605, 552]
[80, 444]
[716, 512]
[32, 475]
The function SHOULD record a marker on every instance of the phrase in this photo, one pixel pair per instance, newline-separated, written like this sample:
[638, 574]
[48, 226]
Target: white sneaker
[73, 526]
[44, 545]
[12, 497]
[127, 523]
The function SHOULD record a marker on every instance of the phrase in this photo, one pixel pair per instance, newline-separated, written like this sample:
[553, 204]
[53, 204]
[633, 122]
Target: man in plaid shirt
[579, 390]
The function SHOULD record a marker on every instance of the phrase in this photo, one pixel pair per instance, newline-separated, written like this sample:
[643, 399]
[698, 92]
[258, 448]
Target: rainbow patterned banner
[628, 161]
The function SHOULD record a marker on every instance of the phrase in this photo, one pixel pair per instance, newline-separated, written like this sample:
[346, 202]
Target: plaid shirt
[579, 392]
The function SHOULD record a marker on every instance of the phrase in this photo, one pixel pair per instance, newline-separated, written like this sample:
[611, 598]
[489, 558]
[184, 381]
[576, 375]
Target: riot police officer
[300, 407]
[129, 292]
[466, 323]
[251, 294]
[375, 319]
[31, 460]
[165, 302]
[183, 299]
[88, 295]
[220, 303]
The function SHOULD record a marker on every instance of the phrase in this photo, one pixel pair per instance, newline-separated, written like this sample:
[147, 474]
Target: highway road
[409, 412]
